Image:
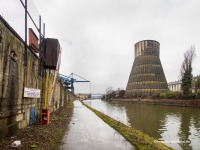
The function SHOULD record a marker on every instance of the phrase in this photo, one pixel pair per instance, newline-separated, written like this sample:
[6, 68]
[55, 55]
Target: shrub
[179, 95]
[163, 95]
[168, 95]
[171, 95]
[187, 96]
[198, 95]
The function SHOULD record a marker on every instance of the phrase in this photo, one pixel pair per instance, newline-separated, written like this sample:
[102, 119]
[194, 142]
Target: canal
[177, 127]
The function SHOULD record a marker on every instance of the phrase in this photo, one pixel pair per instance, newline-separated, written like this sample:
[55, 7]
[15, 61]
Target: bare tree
[187, 62]
[186, 70]
[109, 89]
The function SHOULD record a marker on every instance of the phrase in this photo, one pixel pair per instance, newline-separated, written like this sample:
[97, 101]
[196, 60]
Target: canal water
[177, 127]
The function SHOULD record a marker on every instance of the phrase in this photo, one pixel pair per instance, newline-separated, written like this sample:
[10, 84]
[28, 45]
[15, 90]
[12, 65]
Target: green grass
[137, 138]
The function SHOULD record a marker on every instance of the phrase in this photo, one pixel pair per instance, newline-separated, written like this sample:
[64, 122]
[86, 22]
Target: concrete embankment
[88, 132]
[171, 102]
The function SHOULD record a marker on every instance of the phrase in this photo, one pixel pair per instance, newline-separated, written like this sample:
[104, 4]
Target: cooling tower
[147, 76]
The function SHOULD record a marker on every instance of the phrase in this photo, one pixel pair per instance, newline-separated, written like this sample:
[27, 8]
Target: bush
[198, 95]
[171, 95]
[179, 95]
[187, 96]
[163, 95]
[168, 95]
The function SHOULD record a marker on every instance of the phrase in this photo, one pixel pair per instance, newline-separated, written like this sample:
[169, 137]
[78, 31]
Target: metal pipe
[46, 105]
[40, 25]
[55, 77]
[25, 52]
[90, 89]
[40, 41]
[44, 30]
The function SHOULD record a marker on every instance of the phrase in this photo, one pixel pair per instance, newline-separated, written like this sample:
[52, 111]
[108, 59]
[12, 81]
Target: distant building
[119, 93]
[176, 85]
[83, 96]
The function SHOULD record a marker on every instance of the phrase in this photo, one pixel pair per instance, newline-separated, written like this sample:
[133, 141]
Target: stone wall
[14, 76]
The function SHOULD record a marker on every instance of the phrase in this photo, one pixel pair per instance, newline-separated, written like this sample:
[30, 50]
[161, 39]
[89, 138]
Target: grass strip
[137, 138]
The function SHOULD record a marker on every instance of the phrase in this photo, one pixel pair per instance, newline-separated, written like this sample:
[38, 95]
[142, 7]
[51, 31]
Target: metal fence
[21, 15]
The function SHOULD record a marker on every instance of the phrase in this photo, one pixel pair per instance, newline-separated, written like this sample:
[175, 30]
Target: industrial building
[147, 76]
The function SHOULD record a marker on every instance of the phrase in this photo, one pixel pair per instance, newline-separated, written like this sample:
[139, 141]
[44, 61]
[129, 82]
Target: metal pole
[40, 71]
[55, 77]
[40, 47]
[40, 32]
[90, 89]
[43, 50]
[44, 30]
[25, 52]
[72, 84]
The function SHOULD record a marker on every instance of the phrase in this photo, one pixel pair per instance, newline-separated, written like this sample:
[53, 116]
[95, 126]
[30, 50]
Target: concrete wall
[14, 76]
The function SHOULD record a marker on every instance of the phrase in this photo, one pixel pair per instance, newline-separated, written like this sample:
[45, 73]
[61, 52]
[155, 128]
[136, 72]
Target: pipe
[55, 76]
[25, 51]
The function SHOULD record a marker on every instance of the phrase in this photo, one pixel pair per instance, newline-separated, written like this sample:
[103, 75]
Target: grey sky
[98, 36]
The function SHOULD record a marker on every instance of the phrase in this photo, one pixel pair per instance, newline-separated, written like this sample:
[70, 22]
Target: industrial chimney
[147, 76]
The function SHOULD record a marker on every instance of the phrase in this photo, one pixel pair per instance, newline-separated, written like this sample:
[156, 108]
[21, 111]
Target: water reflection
[115, 110]
[177, 127]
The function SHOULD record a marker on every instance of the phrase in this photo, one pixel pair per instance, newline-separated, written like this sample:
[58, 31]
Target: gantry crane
[69, 81]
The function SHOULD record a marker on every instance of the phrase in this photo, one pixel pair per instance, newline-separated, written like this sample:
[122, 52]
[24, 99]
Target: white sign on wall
[31, 93]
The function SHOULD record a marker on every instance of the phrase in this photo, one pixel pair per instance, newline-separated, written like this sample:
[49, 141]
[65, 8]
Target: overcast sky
[98, 36]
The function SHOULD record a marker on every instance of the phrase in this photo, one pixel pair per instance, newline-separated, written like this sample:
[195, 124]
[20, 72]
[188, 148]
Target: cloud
[98, 36]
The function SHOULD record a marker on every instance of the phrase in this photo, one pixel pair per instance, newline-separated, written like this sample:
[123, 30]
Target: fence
[21, 15]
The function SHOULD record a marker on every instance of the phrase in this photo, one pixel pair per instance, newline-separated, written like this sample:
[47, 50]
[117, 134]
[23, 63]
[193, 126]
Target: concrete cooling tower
[147, 76]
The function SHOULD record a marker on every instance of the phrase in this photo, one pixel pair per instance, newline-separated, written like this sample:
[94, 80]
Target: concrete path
[88, 132]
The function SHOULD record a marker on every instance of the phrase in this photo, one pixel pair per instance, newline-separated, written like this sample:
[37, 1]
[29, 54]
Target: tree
[197, 86]
[109, 90]
[186, 70]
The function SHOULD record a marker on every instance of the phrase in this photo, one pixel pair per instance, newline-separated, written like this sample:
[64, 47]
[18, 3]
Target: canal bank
[168, 102]
[88, 132]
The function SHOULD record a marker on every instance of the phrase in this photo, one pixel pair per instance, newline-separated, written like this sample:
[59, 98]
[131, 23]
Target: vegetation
[169, 95]
[134, 136]
[197, 86]
[186, 71]
[110, 93]
[186, 78]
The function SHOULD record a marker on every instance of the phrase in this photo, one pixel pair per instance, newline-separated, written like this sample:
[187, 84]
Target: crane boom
[69, 81]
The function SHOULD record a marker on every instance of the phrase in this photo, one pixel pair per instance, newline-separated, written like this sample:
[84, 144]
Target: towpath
[89, 132]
